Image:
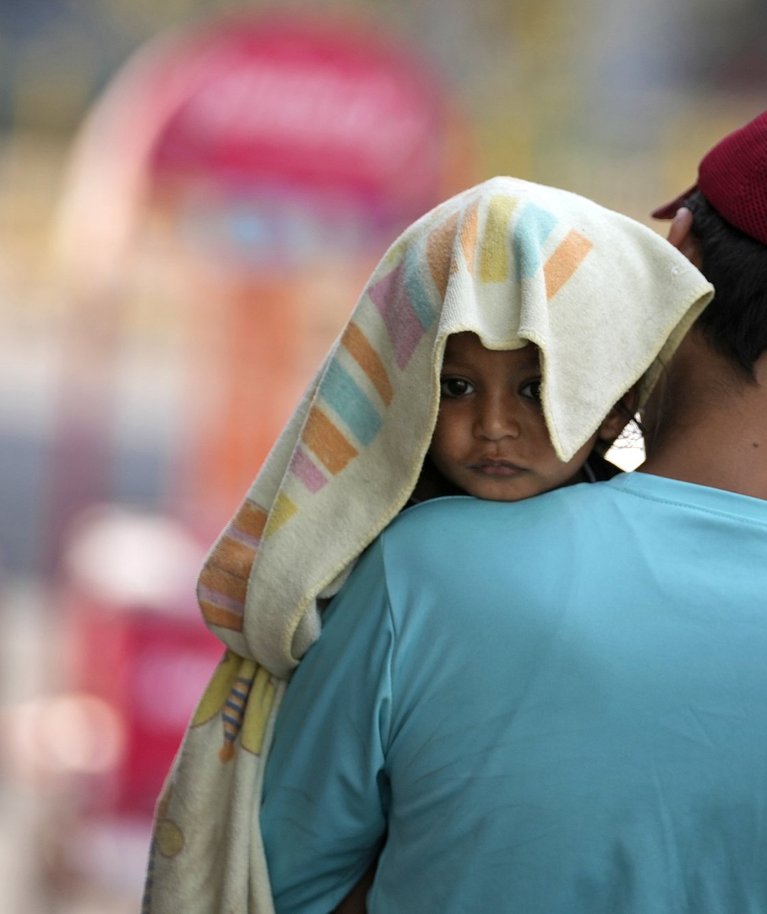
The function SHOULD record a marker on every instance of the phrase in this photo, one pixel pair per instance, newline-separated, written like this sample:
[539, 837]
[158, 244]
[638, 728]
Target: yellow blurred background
[156, 331]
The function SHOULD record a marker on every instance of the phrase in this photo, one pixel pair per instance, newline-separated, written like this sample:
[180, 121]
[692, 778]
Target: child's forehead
[467, 347]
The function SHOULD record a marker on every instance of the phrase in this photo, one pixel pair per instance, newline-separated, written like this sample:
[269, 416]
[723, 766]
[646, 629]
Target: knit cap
[732, 176]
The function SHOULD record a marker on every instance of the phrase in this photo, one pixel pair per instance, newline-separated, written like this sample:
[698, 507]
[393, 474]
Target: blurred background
[192, 193]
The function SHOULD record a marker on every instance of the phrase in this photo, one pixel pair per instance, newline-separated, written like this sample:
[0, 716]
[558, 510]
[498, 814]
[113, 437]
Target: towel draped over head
[606, 301]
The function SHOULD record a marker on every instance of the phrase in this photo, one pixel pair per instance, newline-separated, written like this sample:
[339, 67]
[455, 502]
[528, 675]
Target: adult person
[559, 705]
[720, 224]
[524, 290]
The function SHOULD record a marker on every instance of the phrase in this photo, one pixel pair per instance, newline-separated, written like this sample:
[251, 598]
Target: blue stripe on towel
[344, 395]
[533, 228]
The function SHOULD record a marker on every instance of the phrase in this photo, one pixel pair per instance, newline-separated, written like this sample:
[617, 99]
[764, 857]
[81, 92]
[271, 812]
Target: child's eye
[532, 390]
[455, 387]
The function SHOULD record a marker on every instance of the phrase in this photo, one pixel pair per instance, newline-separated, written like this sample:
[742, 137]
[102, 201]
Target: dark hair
[735, 322]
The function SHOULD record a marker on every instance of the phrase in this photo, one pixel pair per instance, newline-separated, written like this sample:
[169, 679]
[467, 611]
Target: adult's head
[721, 224]
[705, 423]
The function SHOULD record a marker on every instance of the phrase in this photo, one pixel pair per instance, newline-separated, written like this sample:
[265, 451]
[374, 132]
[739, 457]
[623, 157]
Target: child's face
[491, 439]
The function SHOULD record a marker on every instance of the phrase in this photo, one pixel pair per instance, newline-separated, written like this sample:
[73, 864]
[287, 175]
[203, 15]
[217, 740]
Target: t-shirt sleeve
[323, 815]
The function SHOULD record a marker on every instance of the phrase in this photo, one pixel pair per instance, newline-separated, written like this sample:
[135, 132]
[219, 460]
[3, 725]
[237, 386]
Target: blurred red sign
[150, 668]
[308, 106]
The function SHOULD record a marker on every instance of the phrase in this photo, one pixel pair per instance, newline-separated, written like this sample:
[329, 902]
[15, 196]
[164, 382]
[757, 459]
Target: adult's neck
[713, 427]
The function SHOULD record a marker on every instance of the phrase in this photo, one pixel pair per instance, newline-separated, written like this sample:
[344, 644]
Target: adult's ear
[619, 416]
[681, 236]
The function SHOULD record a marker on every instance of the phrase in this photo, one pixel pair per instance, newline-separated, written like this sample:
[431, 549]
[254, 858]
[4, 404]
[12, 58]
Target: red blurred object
[289, 110]
[136, 644]
[305, 105]
[151, 669]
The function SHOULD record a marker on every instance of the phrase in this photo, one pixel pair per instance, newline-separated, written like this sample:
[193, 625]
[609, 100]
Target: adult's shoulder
[444, 516]
[456, 527]
[449, 555]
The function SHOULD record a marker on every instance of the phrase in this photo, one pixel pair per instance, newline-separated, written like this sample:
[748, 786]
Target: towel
[606, 301]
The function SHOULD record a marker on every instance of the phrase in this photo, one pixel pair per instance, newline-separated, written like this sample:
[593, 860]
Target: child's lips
[491, 467]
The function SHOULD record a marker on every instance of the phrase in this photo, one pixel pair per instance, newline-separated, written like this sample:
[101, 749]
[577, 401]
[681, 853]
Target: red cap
[733, 178]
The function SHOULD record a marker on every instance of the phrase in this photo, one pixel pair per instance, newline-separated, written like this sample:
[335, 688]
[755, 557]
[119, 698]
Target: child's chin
[492, 494]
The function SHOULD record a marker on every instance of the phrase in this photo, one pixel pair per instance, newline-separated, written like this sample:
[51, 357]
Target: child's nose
[497, 419]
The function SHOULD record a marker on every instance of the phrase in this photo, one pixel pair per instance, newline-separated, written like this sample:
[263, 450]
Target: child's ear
[619, 416]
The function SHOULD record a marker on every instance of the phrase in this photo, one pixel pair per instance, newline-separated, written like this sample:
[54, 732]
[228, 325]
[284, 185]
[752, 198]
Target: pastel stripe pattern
[494, 248]
[565, 261]
[232, 715]
[361, 350]
[405, 309]
[222, 585]
[307, 471]
[350, 403]
[422, 302]
[533, 228]
[326, 442]
[469, 230]
[282, 510]
[439, 246]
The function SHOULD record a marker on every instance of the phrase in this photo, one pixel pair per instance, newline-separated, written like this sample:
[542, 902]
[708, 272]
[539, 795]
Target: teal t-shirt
[557, 706]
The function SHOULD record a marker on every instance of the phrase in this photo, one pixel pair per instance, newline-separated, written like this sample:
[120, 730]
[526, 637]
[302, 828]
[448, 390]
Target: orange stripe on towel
[232, 557]
[223, 618]
[469, 237]
[221, 592]
[565, 261]
[250, 518]
[439, 252]
[229, 583]
[367, 358]
[325, 440]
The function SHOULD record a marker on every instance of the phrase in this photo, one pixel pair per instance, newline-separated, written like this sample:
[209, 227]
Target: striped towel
[605, 299]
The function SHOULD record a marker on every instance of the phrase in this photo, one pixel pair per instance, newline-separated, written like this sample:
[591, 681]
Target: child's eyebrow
[456, 363]
[456, 367]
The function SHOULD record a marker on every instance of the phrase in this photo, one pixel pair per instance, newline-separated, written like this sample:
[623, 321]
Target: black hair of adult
[735, 322]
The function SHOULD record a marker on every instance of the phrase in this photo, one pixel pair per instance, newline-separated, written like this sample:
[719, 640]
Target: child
[494, 334]
[491, 440]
